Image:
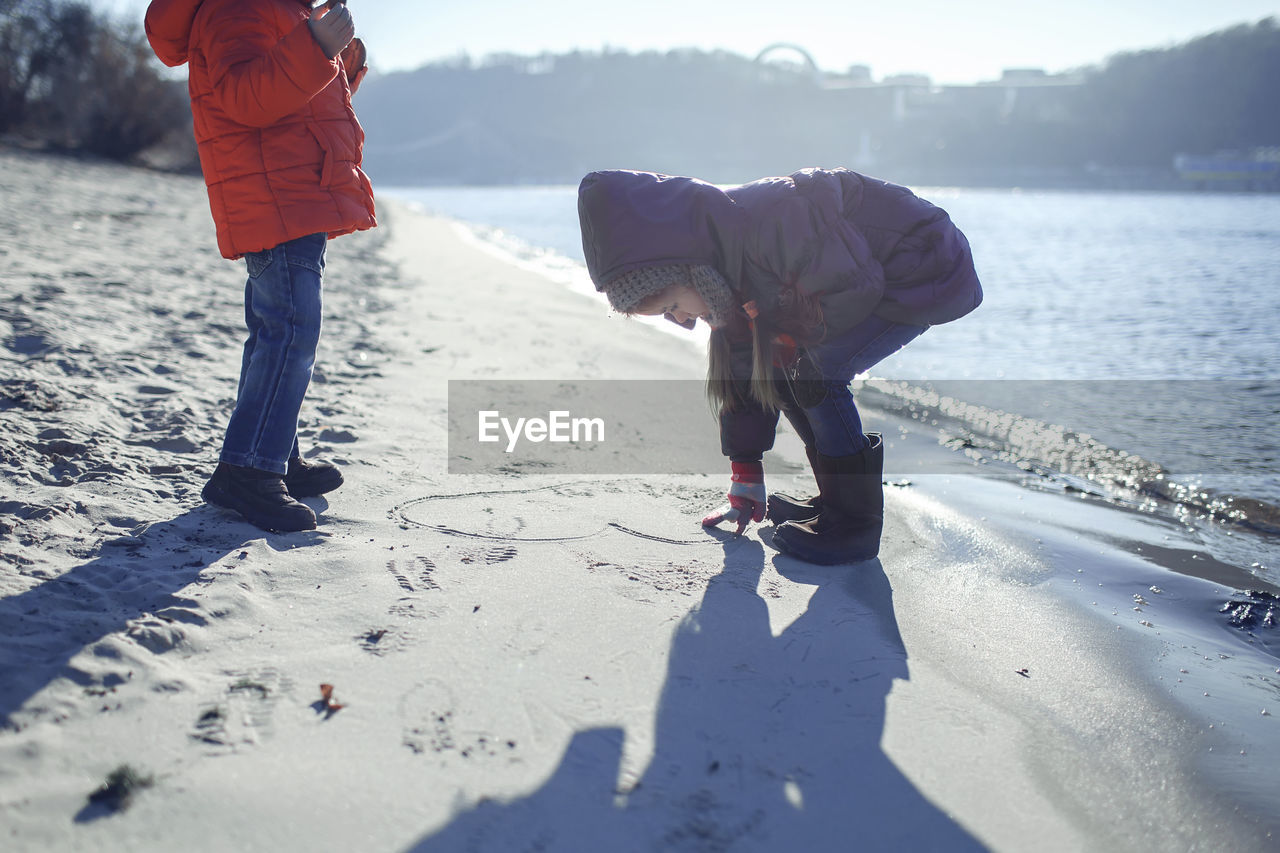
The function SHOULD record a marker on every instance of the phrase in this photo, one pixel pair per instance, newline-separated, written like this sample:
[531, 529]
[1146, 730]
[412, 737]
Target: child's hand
[354, 57]
[332, 27]
[746, 497]
[356, 63]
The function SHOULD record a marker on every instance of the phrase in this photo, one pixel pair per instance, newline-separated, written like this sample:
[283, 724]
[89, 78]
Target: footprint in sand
[427, 713]
[425, 569]
[382, 641]
[414, 576]
[243, 714]
[491, 556]
[401, 578]
[530, 636]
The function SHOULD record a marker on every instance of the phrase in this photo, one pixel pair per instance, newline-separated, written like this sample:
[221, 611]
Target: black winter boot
[848, 528]
[259, 496]
[308, 479]
[787, 508]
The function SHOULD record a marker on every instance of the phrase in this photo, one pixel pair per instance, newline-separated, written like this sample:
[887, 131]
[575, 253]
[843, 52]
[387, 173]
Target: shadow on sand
[761, 742]
[43, 628]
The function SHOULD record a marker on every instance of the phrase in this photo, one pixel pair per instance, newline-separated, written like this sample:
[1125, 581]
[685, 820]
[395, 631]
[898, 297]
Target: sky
[952, 41]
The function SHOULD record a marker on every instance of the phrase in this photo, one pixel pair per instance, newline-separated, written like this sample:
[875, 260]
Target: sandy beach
[532, 661]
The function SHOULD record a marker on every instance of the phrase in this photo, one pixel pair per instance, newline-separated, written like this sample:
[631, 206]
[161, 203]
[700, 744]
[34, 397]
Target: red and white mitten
[746, 497]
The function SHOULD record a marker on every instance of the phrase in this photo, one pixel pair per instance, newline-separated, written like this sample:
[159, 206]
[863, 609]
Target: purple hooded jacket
[852, 245]
[857, 245]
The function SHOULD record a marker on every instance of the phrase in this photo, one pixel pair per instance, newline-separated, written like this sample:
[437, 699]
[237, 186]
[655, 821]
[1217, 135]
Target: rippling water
[1080, 285]
[1144, 321]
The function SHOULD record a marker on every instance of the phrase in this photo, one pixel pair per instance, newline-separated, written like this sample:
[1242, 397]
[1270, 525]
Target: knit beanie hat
[627, 291]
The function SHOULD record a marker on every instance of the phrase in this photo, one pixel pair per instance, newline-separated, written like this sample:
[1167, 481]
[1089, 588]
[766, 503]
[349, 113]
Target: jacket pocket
[326, 151]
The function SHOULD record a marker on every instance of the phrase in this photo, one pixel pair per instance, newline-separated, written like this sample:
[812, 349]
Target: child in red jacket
[280, 149]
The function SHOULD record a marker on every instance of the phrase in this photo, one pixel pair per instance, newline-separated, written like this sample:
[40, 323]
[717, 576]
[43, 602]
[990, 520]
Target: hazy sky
[953, 41]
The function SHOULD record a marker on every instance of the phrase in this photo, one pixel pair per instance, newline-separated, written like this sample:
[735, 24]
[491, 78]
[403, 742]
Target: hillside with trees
[725, 117]
[76, 81]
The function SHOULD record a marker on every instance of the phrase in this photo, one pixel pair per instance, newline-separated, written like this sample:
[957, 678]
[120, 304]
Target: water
[1144, 322]
[1080, 285]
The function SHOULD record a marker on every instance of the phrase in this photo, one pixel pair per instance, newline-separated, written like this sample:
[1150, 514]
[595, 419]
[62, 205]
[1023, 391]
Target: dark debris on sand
[117, 793]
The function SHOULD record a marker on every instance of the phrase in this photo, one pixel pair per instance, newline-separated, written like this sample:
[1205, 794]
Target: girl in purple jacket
[805, 281]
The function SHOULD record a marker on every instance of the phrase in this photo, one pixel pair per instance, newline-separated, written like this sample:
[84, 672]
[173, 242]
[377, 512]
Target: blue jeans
[282, 311]
[834, 426]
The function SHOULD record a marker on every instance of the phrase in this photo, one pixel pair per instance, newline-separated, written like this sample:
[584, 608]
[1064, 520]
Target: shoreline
[1164, 187]
[1017, 431]
[516, 664]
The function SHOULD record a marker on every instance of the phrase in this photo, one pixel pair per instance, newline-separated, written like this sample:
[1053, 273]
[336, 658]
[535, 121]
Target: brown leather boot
[260, 497]
[308, 479]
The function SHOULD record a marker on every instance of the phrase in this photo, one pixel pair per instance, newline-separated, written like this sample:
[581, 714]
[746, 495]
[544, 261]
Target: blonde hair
[725, 392]
[798, 316]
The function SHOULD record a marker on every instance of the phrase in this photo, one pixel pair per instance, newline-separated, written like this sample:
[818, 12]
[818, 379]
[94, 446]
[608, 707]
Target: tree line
[75, 80]
[727, 118]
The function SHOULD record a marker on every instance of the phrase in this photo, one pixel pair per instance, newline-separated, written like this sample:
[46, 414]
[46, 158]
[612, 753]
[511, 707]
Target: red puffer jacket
[279, 144]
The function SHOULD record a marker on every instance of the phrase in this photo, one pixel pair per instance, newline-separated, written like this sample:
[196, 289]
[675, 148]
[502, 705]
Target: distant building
[859, 74]
[914, 80]
[1023, 75]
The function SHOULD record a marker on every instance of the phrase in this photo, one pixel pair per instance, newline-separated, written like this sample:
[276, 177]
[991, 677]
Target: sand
[532, 661]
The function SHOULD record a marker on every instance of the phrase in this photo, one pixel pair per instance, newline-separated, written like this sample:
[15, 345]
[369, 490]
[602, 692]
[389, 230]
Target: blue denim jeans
[282, 311]
[835, 428]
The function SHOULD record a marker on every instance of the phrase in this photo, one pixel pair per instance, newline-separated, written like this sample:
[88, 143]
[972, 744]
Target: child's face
[681, 304]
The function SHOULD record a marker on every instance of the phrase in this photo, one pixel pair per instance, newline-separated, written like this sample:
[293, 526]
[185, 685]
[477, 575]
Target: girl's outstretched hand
[746, 497]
